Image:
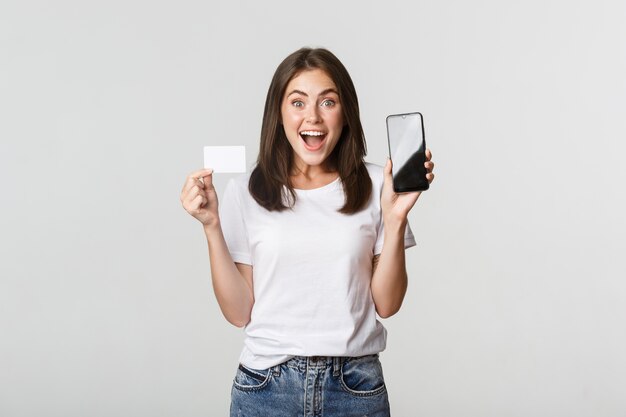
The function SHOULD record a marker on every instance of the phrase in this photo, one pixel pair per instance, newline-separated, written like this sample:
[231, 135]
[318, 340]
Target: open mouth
[313, 139]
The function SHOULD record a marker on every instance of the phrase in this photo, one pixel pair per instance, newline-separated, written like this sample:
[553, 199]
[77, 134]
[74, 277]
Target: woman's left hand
[396, 206]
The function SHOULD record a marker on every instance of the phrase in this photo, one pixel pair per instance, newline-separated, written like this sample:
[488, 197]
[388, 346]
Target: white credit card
[227, 159]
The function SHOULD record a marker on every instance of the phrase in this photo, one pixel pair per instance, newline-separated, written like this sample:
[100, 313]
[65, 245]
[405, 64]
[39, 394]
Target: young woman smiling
[307, 249]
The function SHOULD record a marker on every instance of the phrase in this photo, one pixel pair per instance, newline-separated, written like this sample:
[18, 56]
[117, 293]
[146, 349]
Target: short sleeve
[409, 239]
[233, 224]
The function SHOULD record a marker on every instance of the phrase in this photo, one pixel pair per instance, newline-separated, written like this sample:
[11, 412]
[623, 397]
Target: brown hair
[275, 160]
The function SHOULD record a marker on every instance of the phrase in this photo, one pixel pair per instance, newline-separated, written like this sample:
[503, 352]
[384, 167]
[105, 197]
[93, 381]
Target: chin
[311, 160]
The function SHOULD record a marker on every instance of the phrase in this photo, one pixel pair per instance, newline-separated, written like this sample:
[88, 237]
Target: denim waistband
[304, 363]
[314, 361]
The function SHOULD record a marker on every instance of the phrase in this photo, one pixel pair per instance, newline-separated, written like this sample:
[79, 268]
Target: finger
[197, 202]
[197, 176]
[193, 182]
[191, 190]
[195, 190]
[430, 177]
[201, 173]
[187, 198]
[199, 182]
[429, 154]
[429, 166]
[207, 180]
[194, 178]
[192, 194]
[190, 204]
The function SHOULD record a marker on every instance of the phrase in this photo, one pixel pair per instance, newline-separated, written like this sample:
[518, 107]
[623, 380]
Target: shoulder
[241, 180]
[374, 168]
[238, 185]
[376, 174]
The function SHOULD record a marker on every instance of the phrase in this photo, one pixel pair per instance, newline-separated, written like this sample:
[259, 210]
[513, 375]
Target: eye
[328, 103]
[297, 103]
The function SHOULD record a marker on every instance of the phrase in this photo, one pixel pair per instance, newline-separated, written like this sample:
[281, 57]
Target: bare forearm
[233, 292]
[389, 281]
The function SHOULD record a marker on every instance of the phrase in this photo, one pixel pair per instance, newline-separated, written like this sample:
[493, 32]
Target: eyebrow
[328, 90]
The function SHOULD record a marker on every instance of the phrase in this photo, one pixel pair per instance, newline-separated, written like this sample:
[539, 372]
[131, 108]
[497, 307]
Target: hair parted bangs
[269, 182]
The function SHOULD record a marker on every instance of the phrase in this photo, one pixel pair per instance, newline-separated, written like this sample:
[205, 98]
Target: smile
[313, 139]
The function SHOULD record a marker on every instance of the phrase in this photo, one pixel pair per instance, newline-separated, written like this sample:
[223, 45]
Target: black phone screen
[407, 150]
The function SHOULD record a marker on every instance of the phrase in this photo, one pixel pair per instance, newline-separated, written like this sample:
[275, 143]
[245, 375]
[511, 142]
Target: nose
[313, 115]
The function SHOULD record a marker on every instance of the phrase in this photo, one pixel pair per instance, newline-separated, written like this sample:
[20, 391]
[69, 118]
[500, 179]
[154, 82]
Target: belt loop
[336, 365]
[276, 370]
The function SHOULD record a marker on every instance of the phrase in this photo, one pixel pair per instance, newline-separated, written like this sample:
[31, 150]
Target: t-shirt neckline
[330, 186]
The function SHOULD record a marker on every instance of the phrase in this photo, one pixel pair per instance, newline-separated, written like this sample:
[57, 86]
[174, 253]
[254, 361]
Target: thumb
[387, 173]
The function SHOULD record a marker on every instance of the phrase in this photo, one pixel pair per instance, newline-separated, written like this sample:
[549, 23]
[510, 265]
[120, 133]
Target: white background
[516, 305]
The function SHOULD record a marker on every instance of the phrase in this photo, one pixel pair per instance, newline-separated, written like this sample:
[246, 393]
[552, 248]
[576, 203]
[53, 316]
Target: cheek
[338, 123]
[290, 121]
[337, 120]
[291, 132]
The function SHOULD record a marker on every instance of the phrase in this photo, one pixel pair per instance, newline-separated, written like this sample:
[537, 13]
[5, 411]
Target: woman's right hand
[199, 197]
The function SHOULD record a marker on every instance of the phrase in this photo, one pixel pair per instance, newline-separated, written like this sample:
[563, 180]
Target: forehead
[311, 81]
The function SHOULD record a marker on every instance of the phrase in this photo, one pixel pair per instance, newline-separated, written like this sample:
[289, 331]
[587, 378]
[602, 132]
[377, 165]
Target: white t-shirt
[312, 268]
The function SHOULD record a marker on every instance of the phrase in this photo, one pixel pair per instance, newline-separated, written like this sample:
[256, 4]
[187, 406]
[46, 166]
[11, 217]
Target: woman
[299, 254]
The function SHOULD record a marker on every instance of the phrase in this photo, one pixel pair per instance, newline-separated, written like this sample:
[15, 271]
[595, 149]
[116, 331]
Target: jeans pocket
[363, 376]
[248, 379]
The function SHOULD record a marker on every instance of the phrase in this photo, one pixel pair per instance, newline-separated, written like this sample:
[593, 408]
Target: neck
[310, 171]
[301, 169]
[312, 176]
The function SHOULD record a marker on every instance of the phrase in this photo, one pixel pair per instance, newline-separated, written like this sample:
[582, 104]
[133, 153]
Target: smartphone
[407, 150]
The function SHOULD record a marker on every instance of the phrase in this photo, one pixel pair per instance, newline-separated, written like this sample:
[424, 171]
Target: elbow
[239, 315]
[238, 321]
[238, 318]
[387, 306]
[388, 292]
[388, 311]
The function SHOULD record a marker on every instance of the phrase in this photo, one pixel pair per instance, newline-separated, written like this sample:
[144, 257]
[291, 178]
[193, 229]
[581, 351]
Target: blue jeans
[317, 386]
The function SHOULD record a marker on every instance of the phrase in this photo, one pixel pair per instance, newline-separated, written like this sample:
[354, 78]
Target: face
[312, 117]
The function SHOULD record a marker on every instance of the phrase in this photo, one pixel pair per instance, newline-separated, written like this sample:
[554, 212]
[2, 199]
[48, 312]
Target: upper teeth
[311, 133]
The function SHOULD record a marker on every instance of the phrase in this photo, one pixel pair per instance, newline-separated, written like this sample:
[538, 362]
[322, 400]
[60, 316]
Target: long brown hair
[271, 174]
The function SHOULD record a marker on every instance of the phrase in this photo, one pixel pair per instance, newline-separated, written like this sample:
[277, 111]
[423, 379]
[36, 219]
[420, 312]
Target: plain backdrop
[517, 297]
